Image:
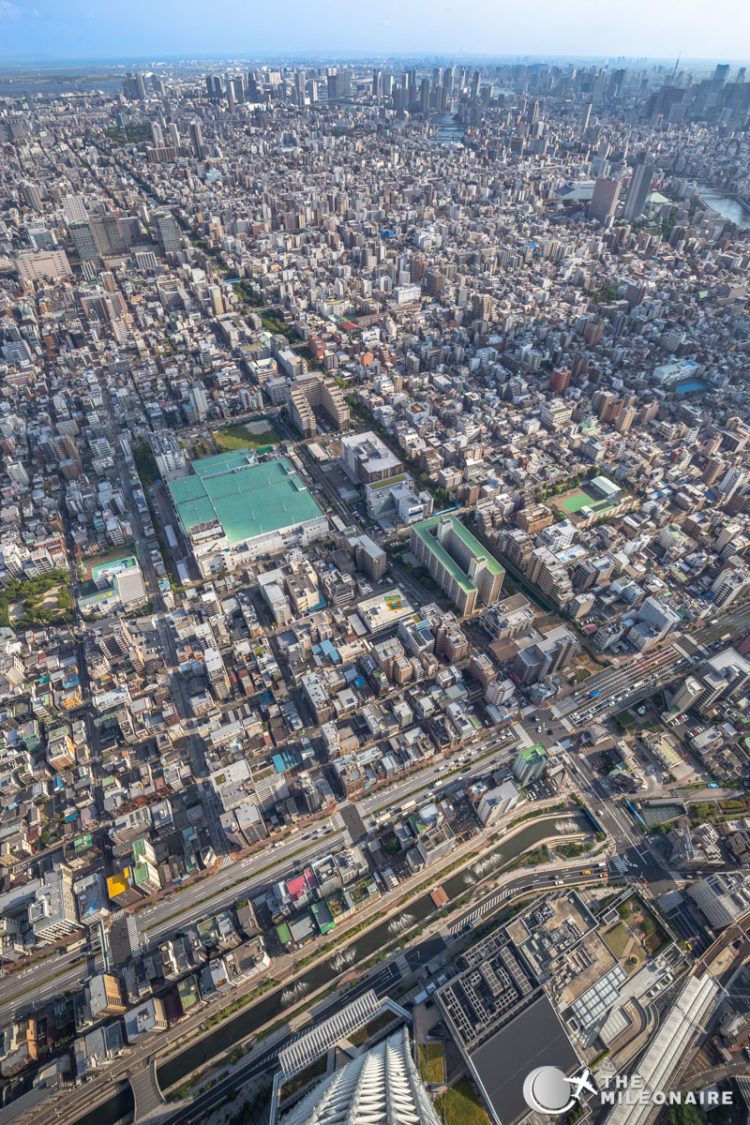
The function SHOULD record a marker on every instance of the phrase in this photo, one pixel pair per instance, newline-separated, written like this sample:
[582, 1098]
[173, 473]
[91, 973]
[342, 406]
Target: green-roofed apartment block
[234, 509]
[529, 764]
[457, 561]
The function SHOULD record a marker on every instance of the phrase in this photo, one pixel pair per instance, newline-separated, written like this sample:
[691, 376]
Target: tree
[648, 926]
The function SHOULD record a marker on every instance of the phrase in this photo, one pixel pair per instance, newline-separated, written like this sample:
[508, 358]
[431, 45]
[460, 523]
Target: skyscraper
[640, 185]
[380, 1086]
[167, 232]
[604, 199]
[30, 193]
[196, 135]
[74, 209]
[83, 240]
[339, 85]
[108, 234]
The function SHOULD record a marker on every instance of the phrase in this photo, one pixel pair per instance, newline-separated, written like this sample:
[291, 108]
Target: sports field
[572, 502]
[93, 568]
[257, 434]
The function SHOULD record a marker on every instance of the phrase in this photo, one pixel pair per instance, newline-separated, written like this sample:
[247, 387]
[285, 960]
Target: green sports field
[572, 502]
[91, 568]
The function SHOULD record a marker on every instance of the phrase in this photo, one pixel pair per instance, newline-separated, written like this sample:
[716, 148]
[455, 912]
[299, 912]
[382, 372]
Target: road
[100, 1089]
[638, 678]
[249, 875]
[55, 975]
[163, 627]
[385, 979]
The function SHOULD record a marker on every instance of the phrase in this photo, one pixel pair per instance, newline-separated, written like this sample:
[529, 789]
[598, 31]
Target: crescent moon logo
[546, 1090]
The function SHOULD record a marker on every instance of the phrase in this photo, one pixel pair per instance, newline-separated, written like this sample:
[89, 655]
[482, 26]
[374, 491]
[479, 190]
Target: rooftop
[427, 531]
[247, 499]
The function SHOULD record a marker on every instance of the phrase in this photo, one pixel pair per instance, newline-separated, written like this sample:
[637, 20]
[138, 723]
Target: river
[270, 1007]
[725, 205]
[450, 131]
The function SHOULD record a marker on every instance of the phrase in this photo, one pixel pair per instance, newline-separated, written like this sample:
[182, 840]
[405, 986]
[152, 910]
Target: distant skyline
[92, 30]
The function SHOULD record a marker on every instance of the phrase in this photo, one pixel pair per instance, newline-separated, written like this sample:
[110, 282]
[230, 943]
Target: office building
[30, 193]
[604, 199]
[42, 265]
[339, 85]
[52, 914]
[196, 136]
[640, 186]
[168, 232]
[110, 237]
[83, 241]
[74, 209]
[458, 562]
[105, 996]
[530, 764]
[722, 897]
[495, 803]
[730, 584]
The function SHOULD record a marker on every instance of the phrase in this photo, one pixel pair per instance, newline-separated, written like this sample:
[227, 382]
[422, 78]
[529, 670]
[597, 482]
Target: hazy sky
[192, 28]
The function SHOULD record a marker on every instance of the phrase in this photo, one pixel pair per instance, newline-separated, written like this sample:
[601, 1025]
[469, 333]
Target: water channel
[450, 131]
[270, 1007]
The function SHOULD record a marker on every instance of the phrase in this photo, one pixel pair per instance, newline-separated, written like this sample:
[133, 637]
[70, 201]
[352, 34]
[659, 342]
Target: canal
[273, 1006]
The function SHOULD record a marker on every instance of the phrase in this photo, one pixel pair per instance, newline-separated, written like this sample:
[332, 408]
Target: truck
[593, 694]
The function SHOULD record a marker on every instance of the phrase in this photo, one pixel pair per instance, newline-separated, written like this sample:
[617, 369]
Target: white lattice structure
[351, 1018]
[381, 1087]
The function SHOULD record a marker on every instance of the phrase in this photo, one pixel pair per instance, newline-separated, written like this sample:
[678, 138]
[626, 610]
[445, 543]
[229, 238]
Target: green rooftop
[247, 499]
[427, 532]
[533, 753]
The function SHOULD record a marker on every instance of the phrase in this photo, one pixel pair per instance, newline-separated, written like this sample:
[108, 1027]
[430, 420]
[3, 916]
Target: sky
[152, 29]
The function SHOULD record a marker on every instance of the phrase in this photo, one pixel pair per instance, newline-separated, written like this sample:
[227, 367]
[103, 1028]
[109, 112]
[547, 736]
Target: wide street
[232, 880]
[639, 677]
